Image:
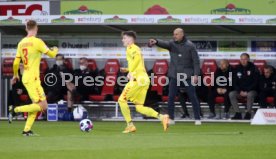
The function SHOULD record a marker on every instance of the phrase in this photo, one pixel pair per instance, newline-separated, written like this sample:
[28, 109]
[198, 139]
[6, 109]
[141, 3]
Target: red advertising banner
[24, 8]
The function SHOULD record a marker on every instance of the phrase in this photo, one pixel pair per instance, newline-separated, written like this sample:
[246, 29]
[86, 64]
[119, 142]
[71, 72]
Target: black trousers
[54, 96]
[191, 91]
[211, 100]
[13, 98]
[182, 99]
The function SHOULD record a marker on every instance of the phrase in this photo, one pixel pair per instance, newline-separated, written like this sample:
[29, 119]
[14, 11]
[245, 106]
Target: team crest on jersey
[239, 74]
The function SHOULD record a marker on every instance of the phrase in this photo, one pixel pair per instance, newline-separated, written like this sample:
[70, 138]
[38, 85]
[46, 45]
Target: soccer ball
[86, 125]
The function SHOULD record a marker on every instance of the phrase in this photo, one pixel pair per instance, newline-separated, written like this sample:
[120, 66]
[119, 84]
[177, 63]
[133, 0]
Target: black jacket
[184, 57]
[246, 78]
[229, 73]
[267, 84]
[86, 74]
[57, 70]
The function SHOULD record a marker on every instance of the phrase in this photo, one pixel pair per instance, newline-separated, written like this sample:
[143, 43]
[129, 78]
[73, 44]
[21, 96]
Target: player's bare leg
[71, 95]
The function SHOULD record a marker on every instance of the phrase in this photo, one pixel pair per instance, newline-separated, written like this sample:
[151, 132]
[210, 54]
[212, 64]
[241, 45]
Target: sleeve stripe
[18, 57]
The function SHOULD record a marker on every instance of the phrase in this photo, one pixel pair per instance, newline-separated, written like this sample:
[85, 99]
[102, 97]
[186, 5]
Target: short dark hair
[31, 24]
[245, 54]
[60, 56]
[130, 33]
[270, 68]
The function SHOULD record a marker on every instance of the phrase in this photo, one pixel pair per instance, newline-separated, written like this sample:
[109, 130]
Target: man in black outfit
[201, 91]
[84, 73]
[267, 86]
[184, 61]
[57, 91]
[221, 89]
[245, 85]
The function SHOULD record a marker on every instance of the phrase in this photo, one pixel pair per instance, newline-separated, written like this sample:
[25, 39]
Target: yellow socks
[146, 111]
[139, 108]
[28, 108]
[30, 121]
[125, 110]
[32, 110]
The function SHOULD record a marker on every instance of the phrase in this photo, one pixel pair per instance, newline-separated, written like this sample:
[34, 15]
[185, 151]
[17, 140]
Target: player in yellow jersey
[137, 87]
[29, 51]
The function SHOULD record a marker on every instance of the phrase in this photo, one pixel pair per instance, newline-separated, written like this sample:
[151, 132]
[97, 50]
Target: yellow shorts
[134, 92]
[35, 91]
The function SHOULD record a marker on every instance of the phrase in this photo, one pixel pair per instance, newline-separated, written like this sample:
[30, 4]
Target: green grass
[60, 140]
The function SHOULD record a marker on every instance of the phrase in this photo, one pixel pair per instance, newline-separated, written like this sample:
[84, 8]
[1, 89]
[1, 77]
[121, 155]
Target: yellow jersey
[135, 61]
[29, 50]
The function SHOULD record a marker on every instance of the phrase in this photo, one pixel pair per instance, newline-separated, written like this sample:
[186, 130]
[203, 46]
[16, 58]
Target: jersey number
[25, 56]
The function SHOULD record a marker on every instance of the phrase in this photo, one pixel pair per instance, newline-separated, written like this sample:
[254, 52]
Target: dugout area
[195, 32]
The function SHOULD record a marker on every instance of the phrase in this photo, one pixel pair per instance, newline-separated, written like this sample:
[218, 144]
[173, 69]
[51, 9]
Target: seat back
[7, 67]
[43, 68]
[111, 69]
[260, 64]
[160, 67]
[92, 65]
[209, 66]
[160, 70]
[68, 64]
[234, 63]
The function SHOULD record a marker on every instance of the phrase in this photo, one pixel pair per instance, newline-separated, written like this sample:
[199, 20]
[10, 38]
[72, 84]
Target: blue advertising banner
[263, 46]
[62, 109]
[206, 46]
[52, 112]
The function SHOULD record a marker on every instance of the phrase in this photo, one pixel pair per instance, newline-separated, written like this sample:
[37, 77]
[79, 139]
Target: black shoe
[247, 116]
[237, 116]
[11, 113]
[28, 133]
[212, 116]
[185, 116]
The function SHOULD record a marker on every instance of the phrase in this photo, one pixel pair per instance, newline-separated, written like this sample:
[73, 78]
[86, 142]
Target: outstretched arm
[160, 43]
[52, 52]
[163, 44]
[42, 47]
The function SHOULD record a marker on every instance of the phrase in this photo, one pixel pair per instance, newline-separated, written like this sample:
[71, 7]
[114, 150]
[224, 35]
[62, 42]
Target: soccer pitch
[60, 140]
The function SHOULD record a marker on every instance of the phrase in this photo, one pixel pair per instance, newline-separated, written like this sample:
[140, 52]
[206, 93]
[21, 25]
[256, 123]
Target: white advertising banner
[90, 48]
[34, 8]
[9, 19]
[264, 117]
[112, 48]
